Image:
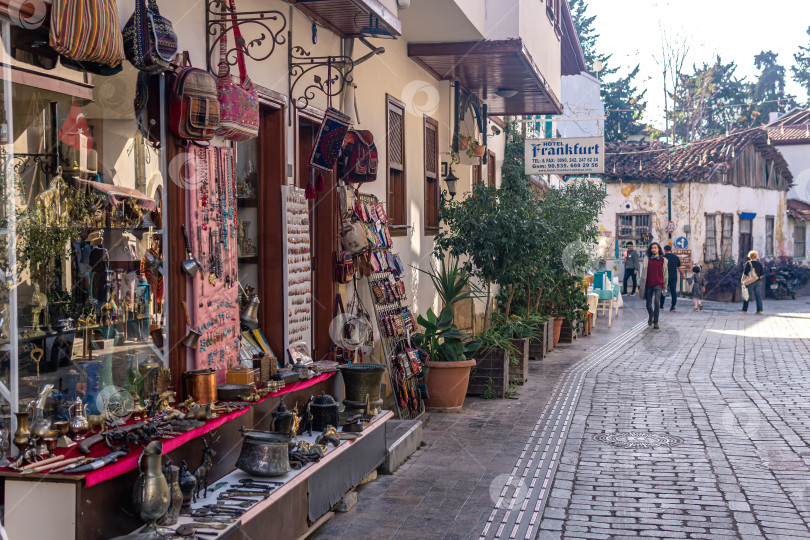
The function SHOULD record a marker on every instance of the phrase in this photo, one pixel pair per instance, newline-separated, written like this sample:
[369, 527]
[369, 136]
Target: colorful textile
[87, 31]
[75, 129]
[329, 141]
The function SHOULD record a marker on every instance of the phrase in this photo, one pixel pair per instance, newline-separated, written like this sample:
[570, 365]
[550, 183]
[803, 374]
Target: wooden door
[323, 234]
[746, 238]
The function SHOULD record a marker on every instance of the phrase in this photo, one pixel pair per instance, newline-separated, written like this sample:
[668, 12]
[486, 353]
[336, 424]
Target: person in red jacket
[653, 278]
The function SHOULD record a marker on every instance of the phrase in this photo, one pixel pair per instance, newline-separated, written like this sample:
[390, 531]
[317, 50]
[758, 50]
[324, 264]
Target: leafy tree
[623, 101]
[801, 71]
[770, 86]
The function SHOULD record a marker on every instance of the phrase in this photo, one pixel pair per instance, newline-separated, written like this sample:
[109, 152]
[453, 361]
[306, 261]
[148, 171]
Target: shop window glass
[83, 188]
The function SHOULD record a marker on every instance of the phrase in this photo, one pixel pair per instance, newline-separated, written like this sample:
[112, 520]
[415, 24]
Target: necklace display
[297, 265]
[215, 307]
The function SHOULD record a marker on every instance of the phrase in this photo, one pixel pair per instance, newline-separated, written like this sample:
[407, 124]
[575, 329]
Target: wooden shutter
[396, 195]
[431, 176]
[491, 169]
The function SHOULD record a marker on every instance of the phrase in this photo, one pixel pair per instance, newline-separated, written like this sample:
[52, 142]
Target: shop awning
[349, 18]
[748, 215]
[484, 67]
[116, 193]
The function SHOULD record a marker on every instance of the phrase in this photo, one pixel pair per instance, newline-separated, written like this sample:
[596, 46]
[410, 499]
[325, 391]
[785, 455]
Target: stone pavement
[697, 430]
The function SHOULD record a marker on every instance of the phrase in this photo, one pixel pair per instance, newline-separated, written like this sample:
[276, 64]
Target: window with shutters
[726, 239]
[396, 195]
[710, 247]
[491, 169]
[769, 236]
[633, 228]
[431, 176]
[799, 241]
[477, 174]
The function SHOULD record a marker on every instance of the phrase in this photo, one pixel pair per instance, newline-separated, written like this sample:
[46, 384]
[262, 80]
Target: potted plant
[450, 350]
[519, 333]
[478, 150]
[464, 142]
[450, 360]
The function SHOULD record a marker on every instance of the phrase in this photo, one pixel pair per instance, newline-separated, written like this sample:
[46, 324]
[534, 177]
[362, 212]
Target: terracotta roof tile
[696, 161]
[792, 128]
[798, 210]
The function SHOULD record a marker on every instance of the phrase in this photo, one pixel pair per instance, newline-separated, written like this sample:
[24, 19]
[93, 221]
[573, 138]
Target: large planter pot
[557, 329]
[491, 372]
[568, 331]
[519, 364]
[447, 385]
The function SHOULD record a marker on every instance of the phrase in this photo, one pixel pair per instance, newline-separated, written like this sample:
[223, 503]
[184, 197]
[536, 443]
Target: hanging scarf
[155, 279]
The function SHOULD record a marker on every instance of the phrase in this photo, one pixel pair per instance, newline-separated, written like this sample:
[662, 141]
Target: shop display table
[97, 505]
[307, 493]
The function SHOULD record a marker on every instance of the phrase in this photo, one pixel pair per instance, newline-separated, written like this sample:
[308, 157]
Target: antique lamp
[451, 181]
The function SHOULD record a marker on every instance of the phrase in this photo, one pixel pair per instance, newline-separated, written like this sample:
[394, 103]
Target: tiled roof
[798, 210]
[696, 161]
[792, 128]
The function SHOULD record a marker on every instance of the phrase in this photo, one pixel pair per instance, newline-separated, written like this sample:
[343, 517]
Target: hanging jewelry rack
[389, 344]
[258, 49]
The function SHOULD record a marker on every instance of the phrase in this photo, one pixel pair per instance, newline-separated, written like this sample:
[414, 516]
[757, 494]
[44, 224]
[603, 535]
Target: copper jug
[151, 492]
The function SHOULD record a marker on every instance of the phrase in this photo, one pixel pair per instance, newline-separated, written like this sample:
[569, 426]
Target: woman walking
[653, 278]
[753, 268]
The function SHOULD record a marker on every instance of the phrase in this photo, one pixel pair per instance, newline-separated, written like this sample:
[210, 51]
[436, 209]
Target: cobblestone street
[697, 430]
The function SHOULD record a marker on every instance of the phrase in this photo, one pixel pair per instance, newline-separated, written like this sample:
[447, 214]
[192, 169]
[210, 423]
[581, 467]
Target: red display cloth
[300, 385]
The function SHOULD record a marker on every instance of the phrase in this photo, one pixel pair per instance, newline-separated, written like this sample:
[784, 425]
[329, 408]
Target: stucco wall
[582, 101]
[691, 209]
[798, 158]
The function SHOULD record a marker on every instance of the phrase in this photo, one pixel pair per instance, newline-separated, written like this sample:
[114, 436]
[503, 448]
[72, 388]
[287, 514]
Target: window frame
[491, 169]
[803, 242]
[723, 237]
[394, 105]
[636, 236]
[432, 179]
[770, 222]
[709, 257]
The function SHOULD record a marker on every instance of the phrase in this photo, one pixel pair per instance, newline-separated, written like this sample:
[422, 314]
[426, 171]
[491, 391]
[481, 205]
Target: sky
[735, 29]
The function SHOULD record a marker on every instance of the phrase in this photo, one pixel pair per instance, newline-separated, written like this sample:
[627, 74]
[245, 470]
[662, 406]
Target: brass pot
[151, 495]
[264, 454]
[23, 433]
[361, 380]
[201, 384]
[235, 392]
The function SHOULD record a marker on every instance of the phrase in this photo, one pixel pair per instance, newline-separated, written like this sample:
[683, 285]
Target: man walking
[630, 268]
[673, 262]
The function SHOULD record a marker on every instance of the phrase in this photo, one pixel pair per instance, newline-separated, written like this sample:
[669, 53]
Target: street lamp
[451, 181]
[669, 184]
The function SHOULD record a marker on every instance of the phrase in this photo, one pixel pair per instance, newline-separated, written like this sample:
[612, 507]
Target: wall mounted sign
[681, 242]
[581, 155]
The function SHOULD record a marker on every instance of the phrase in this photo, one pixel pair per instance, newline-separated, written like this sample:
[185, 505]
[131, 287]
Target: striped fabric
[87, 31]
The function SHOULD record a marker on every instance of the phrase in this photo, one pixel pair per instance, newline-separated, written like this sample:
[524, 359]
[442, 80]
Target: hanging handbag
[149, 39]
[344, 267]
[238, 103]
[358, 159]
[87, 31]
[329, 140]
[194, 107]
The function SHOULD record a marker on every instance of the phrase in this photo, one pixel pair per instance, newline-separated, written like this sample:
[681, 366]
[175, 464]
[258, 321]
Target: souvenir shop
[183, 344]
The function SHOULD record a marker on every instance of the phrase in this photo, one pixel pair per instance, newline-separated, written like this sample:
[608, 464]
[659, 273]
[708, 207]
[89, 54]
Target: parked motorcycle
[782, 284]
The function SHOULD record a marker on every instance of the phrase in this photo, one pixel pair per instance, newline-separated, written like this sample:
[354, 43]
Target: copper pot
[201, 384]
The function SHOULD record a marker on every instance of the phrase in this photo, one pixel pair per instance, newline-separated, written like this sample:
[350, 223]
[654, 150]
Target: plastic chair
[607, 296]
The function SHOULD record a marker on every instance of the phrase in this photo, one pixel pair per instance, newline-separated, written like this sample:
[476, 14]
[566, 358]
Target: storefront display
[297, 266]
[211, 221]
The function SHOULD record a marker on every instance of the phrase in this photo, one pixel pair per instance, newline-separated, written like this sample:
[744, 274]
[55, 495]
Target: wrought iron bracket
[329, 75]
[19, 163]
[465, 100]
[221, 19]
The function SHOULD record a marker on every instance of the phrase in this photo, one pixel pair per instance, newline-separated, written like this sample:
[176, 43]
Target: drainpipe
[347, 99]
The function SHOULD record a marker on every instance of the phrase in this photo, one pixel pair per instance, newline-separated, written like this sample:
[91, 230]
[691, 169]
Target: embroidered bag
[87, 31]
[194, 108]
[149, 39]
[329, 141]
[238, 103]
[344, 267]
[358, 159]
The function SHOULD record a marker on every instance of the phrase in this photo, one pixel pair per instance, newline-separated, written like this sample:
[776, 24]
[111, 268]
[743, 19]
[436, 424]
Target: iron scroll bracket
[329, 75]
[268, 27]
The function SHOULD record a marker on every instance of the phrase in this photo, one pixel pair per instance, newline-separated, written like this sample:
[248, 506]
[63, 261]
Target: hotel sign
[582, 155]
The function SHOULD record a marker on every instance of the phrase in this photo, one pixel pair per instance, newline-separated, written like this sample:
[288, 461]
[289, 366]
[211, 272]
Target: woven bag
[238, 103]
[87, 31]
[149, 39]
[194, 109]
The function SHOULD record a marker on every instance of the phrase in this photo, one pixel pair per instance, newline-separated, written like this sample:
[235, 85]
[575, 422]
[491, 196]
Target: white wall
[798, 158]
[581, 98]
[705, 198]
